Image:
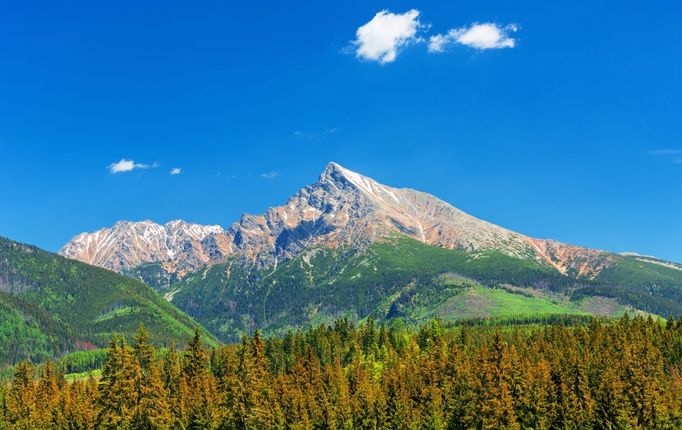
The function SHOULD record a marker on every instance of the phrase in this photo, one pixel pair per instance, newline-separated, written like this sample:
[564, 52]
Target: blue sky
[572, 133]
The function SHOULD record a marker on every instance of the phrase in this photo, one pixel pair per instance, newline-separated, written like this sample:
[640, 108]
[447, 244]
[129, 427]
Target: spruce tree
[118, 388]
[21, 398]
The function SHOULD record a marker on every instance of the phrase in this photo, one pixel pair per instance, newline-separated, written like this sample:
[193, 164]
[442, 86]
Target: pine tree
[612, 411]
[202, 398]
[255, 405]
[119, 393]
[195, 358]
[175, 385]
[144, 351]
[21, 398]
[3, 405]
[365, 399]
[153, 410]
[495, 404]
[46, 395]
[62, 417]
[339, 394]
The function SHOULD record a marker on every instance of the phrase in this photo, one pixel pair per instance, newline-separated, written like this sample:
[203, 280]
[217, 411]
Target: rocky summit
[177, 245]
[342, 209]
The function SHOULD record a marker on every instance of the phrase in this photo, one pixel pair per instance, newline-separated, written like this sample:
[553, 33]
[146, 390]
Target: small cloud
[478, 36]
[672, 155]
[269, 175]
[666, 152]
[128, 165]
[175, 171]
[315, 135]
[228, 177]
[384, 35]
[304, 134]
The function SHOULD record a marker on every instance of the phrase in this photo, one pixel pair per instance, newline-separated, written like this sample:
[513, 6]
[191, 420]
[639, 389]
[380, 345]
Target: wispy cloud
[478, 36]
[269, 175]
[666, 152]
[316, 134]
[125, 165]
[671, 155]
[383, 36]
[175, 171]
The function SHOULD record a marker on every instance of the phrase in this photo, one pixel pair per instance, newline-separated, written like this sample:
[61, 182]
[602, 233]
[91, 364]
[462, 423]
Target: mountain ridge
[179, 245]
[343, 208]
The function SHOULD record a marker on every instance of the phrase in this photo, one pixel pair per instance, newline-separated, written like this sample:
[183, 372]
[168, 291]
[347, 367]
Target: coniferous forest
[624, 374]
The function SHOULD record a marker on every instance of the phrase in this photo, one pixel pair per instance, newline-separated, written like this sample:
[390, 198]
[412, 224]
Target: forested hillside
[622, 374]
[403, 277]
[50, 305]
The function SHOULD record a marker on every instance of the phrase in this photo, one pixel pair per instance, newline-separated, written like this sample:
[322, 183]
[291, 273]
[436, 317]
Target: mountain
[179, 246]
[350, 246]
[342, 209]
[51, 305]
[346, 209]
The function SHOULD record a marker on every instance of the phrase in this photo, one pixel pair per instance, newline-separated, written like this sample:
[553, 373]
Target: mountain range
[350, 246]
[342, 209]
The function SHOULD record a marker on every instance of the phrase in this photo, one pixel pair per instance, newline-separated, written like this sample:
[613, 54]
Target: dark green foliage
[382, 282]
[404, 278]
[82, 361]
[153, 275]
[642, 282]
[51, 305]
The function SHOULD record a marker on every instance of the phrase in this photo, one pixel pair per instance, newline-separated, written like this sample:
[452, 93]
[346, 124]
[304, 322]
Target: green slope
[646, 283]
[51, 305]
[153, 275]
[405, 278]
[398, 278]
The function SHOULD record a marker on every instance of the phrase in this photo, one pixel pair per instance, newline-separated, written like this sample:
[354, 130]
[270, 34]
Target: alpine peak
[343, 209]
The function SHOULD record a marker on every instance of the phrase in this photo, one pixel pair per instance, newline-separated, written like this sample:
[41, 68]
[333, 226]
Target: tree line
[624, 374]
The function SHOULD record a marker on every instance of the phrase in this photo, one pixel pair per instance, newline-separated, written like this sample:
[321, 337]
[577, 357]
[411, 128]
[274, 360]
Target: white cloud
[478, 36]
[128, 165]
[269, 175]
[175, 171]
[438, 42]
[381, 38]
[316, 134]
[666, 152]
[673, 155]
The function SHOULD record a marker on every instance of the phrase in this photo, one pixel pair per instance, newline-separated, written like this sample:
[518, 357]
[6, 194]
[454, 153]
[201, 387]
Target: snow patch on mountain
[343, 209]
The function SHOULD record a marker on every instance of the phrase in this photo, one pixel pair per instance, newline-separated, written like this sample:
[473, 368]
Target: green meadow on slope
[50, 305]
[399, 278]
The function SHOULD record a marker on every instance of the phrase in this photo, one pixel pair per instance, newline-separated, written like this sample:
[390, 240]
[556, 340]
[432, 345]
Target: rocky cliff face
[346, 209]
[342, 209]
[179, 246]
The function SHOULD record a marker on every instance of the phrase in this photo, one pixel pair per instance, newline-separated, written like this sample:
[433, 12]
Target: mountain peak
[338, 174]
[343, 209]
[178, 244]
[334, 172]
[332, 165]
